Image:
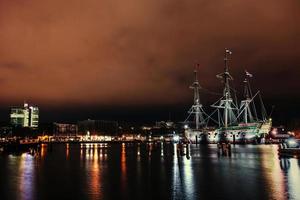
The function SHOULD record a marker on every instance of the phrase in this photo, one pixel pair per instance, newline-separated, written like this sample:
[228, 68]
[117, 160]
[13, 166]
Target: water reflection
[67, 150]
[161, 149]
[290, 167]
[187, 175]
[123, 168]
[93, 152]
[183, 175]
[150, 147]
[123, 159]
[92, 155]
[156, 171]
[176, 177]
[95, 175]
[272, 173]
[27, 177]
[138, 152]
[43, 150]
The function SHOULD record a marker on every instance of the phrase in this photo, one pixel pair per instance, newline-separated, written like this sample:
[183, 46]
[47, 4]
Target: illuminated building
[26, 116]
[97, 127]
[65, 129]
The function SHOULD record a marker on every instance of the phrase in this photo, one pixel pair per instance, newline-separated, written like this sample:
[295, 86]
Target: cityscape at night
[145, 99]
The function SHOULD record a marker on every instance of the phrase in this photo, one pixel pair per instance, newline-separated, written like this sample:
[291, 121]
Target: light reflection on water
[183, 180]
[27, 177]
[134, 171]
[188, 177]
[123, 169]
[92, 155]
[273, 174]
[294, 179]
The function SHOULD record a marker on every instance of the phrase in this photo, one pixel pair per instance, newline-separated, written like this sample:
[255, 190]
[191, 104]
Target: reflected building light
[183, 176]
[43, 150]
[150, 150]
[294, 179]
[95, 155]
[123, 168]
[123, 148]
[176, 178]
[101, 153]
[81, 153]
[188, 178]
[273, 174]
[105, 154]
[87, 154]
[162, 149]
[67, 150]
[138, 150]
[95, 177]
[27, 176]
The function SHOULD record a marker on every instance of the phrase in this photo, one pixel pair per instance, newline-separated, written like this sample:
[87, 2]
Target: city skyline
[149, 99]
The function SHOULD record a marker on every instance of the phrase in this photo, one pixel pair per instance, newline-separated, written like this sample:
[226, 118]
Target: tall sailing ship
[232, 121]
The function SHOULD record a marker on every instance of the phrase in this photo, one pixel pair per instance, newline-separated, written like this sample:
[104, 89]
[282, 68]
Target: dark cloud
[113, 52]
[12, 66]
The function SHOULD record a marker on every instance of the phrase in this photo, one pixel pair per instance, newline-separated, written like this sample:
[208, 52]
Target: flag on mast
[228, 51]
[248, 74]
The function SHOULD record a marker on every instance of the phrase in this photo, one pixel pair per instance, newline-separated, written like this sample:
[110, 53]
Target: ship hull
[251, 133]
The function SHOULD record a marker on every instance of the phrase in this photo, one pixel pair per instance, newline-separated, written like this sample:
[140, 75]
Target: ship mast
[197, 109]
[226, 102]
[245, 104]
[197, 106]
[226, 92]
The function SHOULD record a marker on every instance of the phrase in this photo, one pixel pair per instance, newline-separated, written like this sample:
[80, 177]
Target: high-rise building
[26, 116]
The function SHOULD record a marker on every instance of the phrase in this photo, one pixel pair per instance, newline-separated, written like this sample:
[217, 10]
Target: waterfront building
[163, 124]
[64, 129]
[5, 131]
[163, 129]
[97, 127]
[26, 116]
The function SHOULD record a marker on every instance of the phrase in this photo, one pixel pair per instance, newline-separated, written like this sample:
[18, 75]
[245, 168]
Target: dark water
[143, 171]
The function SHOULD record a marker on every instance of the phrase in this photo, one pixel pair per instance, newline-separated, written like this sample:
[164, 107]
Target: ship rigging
[237, 122]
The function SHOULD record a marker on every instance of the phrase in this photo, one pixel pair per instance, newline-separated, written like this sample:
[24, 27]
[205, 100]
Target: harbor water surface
[149, 171]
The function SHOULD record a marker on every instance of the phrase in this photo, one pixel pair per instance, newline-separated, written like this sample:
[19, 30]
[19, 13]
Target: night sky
[134, 59]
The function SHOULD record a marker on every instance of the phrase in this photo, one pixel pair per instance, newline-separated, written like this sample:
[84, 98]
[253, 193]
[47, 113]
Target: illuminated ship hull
[240, 134]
